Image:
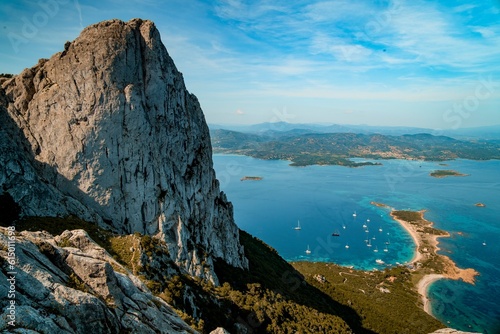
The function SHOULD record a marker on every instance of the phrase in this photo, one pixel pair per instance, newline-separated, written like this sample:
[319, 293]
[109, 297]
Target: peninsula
[428, 265]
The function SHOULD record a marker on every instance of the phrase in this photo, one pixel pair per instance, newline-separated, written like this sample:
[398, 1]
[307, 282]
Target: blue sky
[417, 63]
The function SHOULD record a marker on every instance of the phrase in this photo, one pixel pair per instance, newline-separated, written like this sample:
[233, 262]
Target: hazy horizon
[346, 124]
[429, 64]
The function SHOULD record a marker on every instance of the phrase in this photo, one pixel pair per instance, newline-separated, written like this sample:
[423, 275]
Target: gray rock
[73, 290]
[107, 131]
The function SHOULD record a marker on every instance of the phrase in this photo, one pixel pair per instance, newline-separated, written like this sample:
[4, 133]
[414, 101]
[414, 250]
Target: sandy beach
[423, 287]
[426, 242]
[415, 236]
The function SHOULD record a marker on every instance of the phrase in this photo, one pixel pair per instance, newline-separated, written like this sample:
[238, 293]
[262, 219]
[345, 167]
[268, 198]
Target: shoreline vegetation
[428, 266]
[444, 173]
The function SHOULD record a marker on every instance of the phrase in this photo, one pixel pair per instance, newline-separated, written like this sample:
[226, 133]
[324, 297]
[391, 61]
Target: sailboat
[298, 226]
[336, 233]
[343, 226]
[484, 243]
[308, 251]
[347, 246]
[386, 249]
[369, 244]
[354, 214]
[376, 249]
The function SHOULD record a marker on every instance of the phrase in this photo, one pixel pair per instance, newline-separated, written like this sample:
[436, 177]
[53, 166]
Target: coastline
[423, 289]
[426, 247]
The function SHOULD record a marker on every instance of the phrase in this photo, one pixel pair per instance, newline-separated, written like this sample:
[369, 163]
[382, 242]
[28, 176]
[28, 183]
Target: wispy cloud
[435, 37]
[240, 56]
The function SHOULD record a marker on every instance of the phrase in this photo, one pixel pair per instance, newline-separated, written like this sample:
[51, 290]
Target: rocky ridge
[107, 131]
[69, 284]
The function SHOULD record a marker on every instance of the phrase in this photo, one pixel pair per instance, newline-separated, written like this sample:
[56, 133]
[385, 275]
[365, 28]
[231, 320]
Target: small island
[444, 173]
[251, 178]
[429, 266]
[380, 205]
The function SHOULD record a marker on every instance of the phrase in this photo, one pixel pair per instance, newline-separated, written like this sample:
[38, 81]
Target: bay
[324, 200]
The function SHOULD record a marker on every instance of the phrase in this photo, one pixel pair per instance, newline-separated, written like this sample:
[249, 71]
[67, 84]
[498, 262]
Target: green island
[340, 148]
[251, 178]
[275, 296]
[444, 173]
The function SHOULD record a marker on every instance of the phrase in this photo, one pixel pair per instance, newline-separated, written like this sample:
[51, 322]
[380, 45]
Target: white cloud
[341, 49]
[464, 8]
[435, 37]
[339, 10]
[484, 31]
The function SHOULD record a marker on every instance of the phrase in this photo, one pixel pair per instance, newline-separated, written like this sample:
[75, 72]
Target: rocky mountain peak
[107, 131]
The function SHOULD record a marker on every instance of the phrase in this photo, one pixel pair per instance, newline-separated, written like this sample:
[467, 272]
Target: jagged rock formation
[107, 131]
[78, 288]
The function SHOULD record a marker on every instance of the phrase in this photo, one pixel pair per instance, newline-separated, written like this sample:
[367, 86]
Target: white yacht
[298, 226]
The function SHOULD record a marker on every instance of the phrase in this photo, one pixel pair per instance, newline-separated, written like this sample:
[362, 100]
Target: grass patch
[124, 248]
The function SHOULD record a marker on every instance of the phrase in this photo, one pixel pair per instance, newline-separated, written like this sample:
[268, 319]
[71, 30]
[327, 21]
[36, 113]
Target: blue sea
[335, 199]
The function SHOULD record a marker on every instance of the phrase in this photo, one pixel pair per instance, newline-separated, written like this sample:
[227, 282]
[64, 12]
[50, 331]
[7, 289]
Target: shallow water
[324, 198]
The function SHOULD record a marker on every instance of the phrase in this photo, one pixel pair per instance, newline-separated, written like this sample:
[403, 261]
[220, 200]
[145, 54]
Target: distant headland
[319, 147]
[445, 172]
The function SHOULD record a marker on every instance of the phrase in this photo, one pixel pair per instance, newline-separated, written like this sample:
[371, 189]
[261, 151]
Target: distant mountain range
[484, 132]
[306, 147]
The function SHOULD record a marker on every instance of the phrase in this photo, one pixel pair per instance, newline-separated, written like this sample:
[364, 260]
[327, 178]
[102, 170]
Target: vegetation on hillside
[386, 300]
[273, 296]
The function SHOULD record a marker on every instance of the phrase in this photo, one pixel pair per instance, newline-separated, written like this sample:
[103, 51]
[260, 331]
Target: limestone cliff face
[110, 133]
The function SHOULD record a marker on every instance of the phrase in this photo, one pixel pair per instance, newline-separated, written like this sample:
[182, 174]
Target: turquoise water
[324, 198]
